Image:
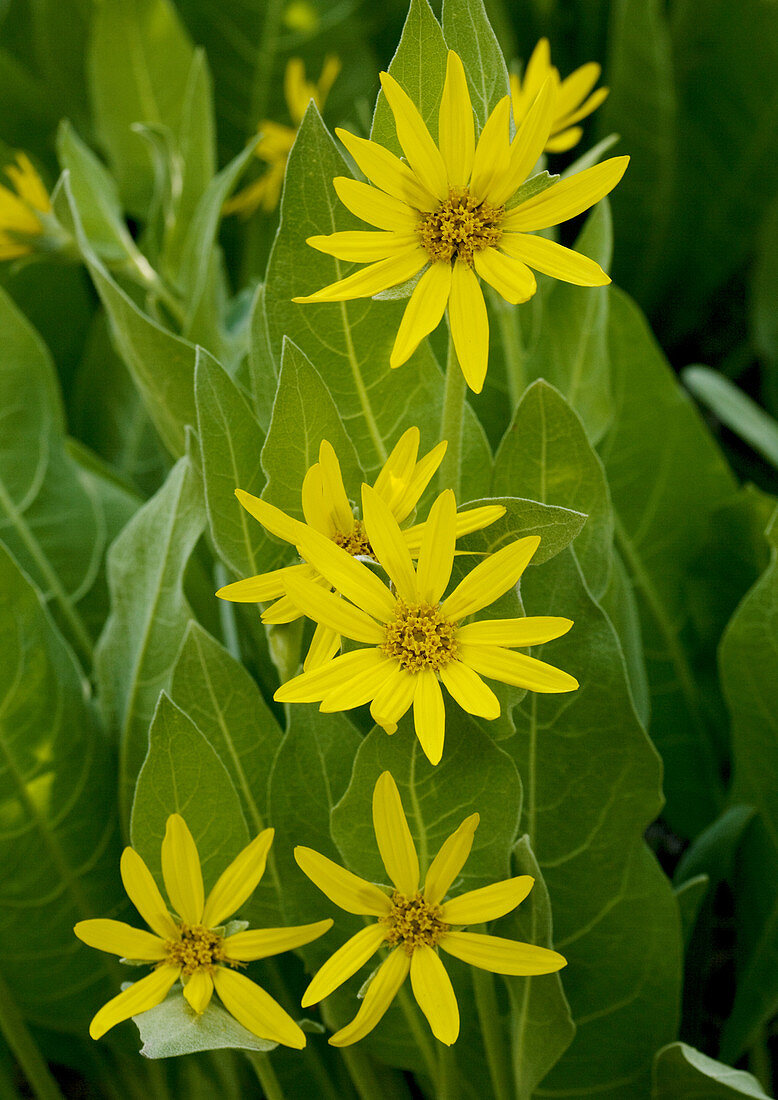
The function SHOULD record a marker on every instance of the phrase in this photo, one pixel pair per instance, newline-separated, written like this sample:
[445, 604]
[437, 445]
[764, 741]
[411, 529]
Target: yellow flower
[447, 211]
[19, 209]
[415, 639]
[570, 104]
[276, 140]
[327, 510]
[416, 923]
[193, 945]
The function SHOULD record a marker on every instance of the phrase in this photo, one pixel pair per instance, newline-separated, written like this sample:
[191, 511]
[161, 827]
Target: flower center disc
[420, 637]
[198, 948]
[460, 227]
[356, 543]
[412, 922]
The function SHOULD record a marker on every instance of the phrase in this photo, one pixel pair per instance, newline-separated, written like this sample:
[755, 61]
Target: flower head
[572, 102]
[415, 638]
[276, 140]
[19, 209]
[193, 946]
[415, 924]
[446, 211]
[327, 510]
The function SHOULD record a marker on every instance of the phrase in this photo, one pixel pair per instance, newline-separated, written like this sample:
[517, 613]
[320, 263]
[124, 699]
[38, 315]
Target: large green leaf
[735, 410]
[682, 1071]
[58, 838]
[467, 30]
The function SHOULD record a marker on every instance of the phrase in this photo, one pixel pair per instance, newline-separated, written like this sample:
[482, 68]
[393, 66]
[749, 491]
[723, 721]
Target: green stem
[512, 349]
[759, 1062]
[451, 421]
[358, 1063]
[266, 1075]
[492, 1034]
[447, 1081]
[420, 1033]
[227, 616]
[24, 1048]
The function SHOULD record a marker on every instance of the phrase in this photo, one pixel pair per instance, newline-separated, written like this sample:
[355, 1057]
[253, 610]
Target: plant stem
[423, 1041]
[358, 1063]
[491, 1032]
[24, 1048]
[759, 1062]
[266, 1075]
[512, 351]
[452, 420]
[447, 1082]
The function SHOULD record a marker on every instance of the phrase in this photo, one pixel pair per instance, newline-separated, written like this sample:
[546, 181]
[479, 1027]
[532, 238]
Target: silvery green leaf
[173, 1028]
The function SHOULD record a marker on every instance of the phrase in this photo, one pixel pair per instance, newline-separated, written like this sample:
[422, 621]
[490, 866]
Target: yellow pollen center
[198, 949]
[420, 637]
[356, 543]
[413, 922]
[460, 227]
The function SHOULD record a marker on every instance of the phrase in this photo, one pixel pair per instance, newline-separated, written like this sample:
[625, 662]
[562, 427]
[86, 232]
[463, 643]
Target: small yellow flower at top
[327, 509]
[572, 103]
[446, 211]
[416, 924]
[193, 946]
[276, 140]
[415, 638]
[19, 209]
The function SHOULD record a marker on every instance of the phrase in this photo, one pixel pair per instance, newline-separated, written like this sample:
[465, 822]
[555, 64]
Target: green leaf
[172, 1028]
[690, 896]
[149, 615]
[620, 604]
[680, 1070]
[58, 842]
[735, 410]
[182, 774]
[557, 527]
[467, 30]
[764, 291]
[262, 367]
[712, 852]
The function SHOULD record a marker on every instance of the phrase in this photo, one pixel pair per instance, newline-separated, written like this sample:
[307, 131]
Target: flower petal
[517, 669]
[528, 144]
[372, 279]
[488, 903]
[488, 580]
[395, 842]
[468, 689]
[346, 961]
[560, 143]
[144, 894]
[575, 88]
[283, 610]
[332, 611]
[511, 278]
[271, 518]
[140, 997]
[436, 554]
[334, 489]
[429, 715]
[532, 630]
[398, 468]
[362, 246]
[450, 860]
[361, 689]
[567, 198]
[456, 127]
[420, 150]
[375, 207]
[256, 1009]
[473, 519]
[181, 871]
[501, 956]
[324, 645]
[419, 480]
[349, 576]
[434, 994]
[491, 159]
[392, 701]
[198, 990]
[317, 506]
[347, 890]
[554, 259]
[120, 939]
[469, 325]
[423, 312]
[311, 687]
[586, 108]
[260, 943]
[389, 546]
[388, 172]
[238, 881]
[263, 587]
[381, 992]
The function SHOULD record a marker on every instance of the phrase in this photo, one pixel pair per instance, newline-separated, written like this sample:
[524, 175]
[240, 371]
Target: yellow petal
[388, 544]
[436, 555]
[362, 246]
[434, 994]
[346, 961]
[198, 990]
[388, 172]
[395, 842]
[334, 612]
[144, 894]
[311, 687]
[490, 578]
[429, 715]
[560, 143]
[272, 518]
[488, 903]
[372, 279]
[450, 860]
[349, 576]
[381, 992]
[473, 519]
[527, 146]
[347, 890]
[181, 871]
[140, 997]
[423, 312]
[586, 108]
[468, 689]
[28, 183]
[361, 689]
[532, 630]
[317, 508]
[120, 939]
[398, 468]
[538, 68]
[263, 942]
[554, 259]
[456, 127]
[375, 207]
[567, 198]
[501, 956]
[282, 611]
[334, 489]
[575, 88]
[511, 278]
[469, 325]
[490, 162]
[238, 881]
[420, 150]
[324, 645]
[420, 478]
[517, 669]
[263, 587]
[392, 701]
[256, 1009]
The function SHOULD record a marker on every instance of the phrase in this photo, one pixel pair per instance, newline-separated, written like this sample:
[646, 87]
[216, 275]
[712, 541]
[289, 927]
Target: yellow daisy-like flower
[19, 209]
[446, 211]
[276, 140]
[417, 639]
[572, 102]
[326, 508]
[193, 945]
[415, 924]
